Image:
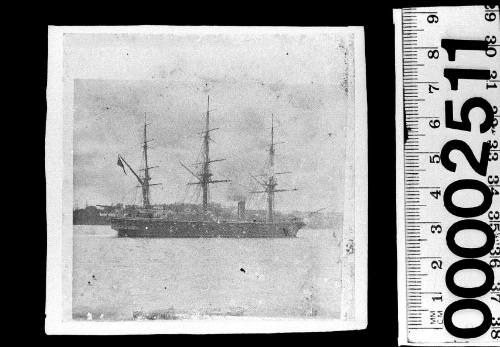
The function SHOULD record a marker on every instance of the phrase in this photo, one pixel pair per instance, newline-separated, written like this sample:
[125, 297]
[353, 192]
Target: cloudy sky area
[120, 78]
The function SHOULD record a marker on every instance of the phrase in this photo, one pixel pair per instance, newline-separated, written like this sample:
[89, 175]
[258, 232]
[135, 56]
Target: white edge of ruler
[400, 226]
[400, 212]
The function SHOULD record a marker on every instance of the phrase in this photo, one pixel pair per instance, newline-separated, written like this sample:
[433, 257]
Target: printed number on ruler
[451, 95]
[470, 256]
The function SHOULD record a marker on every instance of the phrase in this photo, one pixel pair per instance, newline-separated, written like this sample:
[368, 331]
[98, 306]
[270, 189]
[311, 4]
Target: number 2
[480, 166]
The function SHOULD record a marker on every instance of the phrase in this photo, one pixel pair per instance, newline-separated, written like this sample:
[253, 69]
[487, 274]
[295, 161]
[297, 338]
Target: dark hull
[158, 227]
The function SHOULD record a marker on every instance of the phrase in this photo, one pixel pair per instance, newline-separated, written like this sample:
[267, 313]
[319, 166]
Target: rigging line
[128, 192]
[250, 199]
[244, 185]
[200, 154]
[186, 193]
[122, 198]
[197, 195]
[193, 195]
[135, 196]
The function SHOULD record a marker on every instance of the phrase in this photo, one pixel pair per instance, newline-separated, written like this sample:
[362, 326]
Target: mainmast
[204, 177]
[145, 185]
[270, 184]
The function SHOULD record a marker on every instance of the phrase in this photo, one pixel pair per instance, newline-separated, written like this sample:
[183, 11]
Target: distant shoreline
[92, 215]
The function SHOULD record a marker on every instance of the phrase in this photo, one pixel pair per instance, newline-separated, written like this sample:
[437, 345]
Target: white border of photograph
[59, 206]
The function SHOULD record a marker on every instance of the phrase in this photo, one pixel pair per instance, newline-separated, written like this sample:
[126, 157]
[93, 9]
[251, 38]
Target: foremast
[144, 181]
[204, 176]
[271, 182]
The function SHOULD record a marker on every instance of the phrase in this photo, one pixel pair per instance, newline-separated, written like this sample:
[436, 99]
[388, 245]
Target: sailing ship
[146, 222]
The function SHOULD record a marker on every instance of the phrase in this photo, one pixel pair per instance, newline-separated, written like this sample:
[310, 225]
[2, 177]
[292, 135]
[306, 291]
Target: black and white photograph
[206, 180]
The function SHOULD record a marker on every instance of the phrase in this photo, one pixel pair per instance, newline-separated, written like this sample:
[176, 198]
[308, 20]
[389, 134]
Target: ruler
[448, 169]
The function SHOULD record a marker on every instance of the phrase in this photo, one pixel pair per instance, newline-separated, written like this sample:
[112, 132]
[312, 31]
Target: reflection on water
[123, 278]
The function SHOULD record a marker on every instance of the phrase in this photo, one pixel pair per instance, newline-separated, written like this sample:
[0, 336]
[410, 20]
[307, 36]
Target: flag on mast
[119, 163]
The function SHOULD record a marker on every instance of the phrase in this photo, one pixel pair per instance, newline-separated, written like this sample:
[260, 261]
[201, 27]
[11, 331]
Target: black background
[375, 16]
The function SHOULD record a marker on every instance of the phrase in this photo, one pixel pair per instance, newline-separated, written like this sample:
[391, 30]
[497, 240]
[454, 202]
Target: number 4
[436, 194]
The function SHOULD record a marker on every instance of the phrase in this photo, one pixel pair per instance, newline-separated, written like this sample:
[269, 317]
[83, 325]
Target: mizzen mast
[205, 173]
[270, 184]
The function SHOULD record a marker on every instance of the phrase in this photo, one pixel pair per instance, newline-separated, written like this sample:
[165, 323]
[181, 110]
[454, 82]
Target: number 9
[435, 123]
[432, 18]
[489, 16]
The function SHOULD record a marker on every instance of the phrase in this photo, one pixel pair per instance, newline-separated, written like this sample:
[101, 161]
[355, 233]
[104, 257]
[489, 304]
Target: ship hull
[161, 228]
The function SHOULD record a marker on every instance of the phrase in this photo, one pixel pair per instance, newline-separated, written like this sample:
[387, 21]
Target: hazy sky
[298, 78]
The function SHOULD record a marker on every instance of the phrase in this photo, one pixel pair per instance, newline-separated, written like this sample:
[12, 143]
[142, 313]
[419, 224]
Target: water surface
[175, 278]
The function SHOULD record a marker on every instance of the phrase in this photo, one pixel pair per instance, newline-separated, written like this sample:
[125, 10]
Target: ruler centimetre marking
[424, 257]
